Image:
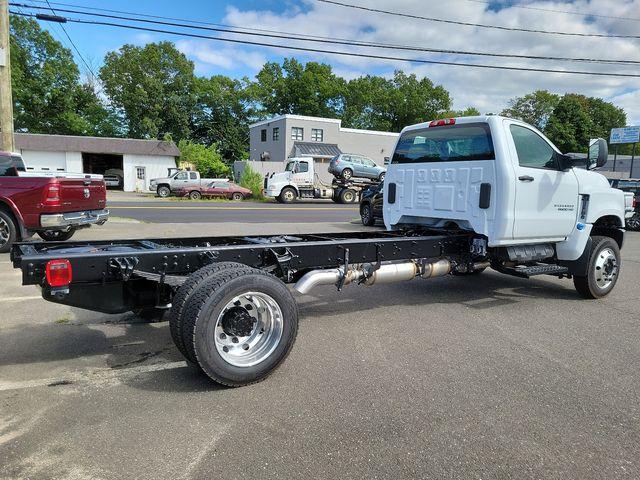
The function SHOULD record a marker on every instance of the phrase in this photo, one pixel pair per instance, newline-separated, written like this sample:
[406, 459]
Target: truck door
[301, 173]
[180, 181]
[546, 197]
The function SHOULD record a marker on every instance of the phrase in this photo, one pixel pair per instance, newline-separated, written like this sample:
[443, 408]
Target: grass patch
[64, 320]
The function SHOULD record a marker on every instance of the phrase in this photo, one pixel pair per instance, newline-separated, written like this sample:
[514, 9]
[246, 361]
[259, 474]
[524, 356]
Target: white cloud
[206, 56]
[488, 90]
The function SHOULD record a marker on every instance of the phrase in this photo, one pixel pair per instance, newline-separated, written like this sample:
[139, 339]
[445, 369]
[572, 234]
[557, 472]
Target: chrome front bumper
[74, 219]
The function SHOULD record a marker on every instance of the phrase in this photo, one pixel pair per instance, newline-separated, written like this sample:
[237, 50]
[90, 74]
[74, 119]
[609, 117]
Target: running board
[527, 271]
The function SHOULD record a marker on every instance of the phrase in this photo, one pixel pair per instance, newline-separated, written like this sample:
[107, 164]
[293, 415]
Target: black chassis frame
[124, 275]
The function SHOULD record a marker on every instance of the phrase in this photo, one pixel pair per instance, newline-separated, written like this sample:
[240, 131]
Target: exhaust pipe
[368, 275]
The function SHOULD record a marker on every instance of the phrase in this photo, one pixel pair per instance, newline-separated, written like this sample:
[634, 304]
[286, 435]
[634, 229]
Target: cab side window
[303, 167]
[181, 176]
[193, 176]
[533, 151]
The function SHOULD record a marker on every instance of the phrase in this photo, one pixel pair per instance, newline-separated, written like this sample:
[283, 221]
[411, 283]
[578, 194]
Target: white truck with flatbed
[300, 180]
[460, 196]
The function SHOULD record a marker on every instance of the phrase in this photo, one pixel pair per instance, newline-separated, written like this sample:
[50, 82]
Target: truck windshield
[461, 142]
[290, 166]
[10, 165]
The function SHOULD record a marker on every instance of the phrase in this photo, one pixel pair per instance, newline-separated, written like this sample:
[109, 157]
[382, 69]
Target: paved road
[444, 378]
[184, 211]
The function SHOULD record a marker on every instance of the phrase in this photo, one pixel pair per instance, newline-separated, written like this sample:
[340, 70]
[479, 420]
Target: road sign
[625, 135]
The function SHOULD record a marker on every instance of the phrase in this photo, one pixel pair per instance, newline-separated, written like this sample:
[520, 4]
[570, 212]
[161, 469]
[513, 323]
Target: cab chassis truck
[452, 196]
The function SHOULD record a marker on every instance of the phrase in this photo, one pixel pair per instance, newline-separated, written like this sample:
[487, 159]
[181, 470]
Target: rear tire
[183, 295]
[288, 195]
[56, 235]
[347, 174]
[195, 195]
[348, 195]
[633, 223]
[381, 176]
[214, 315]
[163, 191]
[8, 231]
[603, 270]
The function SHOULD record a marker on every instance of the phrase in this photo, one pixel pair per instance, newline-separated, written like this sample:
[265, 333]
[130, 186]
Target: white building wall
[74, 162]
[155, 167]
[46, 161]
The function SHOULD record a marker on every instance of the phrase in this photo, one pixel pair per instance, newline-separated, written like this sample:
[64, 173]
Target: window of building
[297, 133]
[263, 135]
[276, 134]
[317, 134]
[533, 151]
[140, 173]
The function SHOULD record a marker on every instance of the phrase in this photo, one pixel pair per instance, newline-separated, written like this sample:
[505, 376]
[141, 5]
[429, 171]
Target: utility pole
[6, 101]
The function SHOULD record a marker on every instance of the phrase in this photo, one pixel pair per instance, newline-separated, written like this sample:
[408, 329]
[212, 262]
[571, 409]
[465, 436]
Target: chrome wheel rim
[346, 174]
[606, 268]
[260, 317]
[4, 232]
[237, 196]
[288, 195]
[348, 197]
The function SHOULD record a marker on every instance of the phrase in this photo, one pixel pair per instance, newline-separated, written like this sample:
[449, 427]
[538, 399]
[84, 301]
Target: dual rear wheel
[236, 323]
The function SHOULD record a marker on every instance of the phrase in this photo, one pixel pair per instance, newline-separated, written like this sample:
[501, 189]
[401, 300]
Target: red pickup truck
[53, 206]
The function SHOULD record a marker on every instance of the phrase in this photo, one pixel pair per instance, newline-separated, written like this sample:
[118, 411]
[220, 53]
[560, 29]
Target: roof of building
[322, 120]
[315, 149]
[73, 143]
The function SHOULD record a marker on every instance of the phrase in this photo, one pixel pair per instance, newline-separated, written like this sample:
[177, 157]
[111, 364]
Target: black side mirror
[598, 153]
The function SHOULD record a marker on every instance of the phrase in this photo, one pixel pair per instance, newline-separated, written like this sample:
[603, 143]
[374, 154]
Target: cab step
[526, 271]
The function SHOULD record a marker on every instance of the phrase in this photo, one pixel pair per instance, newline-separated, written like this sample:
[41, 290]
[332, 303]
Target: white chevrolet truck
[460, 196]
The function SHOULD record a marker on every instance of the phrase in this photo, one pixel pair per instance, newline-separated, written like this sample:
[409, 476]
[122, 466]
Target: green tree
[373, 102]
[467, 112]
[221, 116]
[48, 96]
[309, 89]
[151, 88]
[577, 118]
[534, 108]
[206, 159]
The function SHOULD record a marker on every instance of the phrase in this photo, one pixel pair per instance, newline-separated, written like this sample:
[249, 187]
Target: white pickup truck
[178, 181]
[460, 195]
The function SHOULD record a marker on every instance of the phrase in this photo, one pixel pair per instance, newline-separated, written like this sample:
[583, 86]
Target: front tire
[236, 197]
[195, 195]
[603, 270]
[56, 235]
[366, 215]
[163, 191]
[348, 195]
[8, 231]
[239, 325]
[288, 195]
[381, 176]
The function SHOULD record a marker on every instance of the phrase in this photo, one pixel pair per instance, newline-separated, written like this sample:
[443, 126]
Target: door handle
[526, 178]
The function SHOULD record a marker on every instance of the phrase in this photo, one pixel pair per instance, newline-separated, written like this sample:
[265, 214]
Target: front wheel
[366, 215]
[603, 269]
[347, 196]
[56, 235]
[288, 195]
[237, 196]
[163, 191]
[195, 195]
[381, 176]
[347, 173]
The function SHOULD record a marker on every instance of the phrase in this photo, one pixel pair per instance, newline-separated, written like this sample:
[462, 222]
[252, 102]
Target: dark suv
[625, 185]
[371, 201]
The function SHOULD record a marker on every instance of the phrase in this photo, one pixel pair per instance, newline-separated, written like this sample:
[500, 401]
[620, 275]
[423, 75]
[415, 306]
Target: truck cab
[503, 179]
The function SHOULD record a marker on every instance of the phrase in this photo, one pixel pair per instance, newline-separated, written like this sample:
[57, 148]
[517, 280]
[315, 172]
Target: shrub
[207, 160]
[252, 180]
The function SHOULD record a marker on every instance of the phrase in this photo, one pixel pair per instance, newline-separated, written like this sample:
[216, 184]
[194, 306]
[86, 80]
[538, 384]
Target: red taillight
[51, 195]
[443, 122]
[635, 202]
[58, 273]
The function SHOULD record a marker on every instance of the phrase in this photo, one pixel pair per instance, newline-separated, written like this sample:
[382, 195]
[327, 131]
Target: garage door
[45, 161]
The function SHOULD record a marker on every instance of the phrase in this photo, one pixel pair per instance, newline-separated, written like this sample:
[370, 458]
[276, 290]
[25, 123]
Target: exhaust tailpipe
[368, 275]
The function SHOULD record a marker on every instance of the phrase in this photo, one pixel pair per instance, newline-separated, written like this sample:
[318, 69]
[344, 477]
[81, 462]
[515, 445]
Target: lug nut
[225, 349]
[245, 346]
[234, 339]
[222, 336]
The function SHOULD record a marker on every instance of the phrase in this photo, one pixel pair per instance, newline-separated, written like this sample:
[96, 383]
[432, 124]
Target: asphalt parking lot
[486, 377]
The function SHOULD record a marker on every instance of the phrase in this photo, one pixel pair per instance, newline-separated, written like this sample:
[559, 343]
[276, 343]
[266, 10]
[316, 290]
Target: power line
[70, 41]
[469, 24]
[568, 12]
[348, 42]
[334, 52]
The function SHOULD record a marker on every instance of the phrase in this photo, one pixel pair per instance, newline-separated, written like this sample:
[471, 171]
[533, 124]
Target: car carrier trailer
[461, 195]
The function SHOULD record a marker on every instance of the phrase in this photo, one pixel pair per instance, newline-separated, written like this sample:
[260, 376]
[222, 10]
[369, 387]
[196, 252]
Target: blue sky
[487, 90]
